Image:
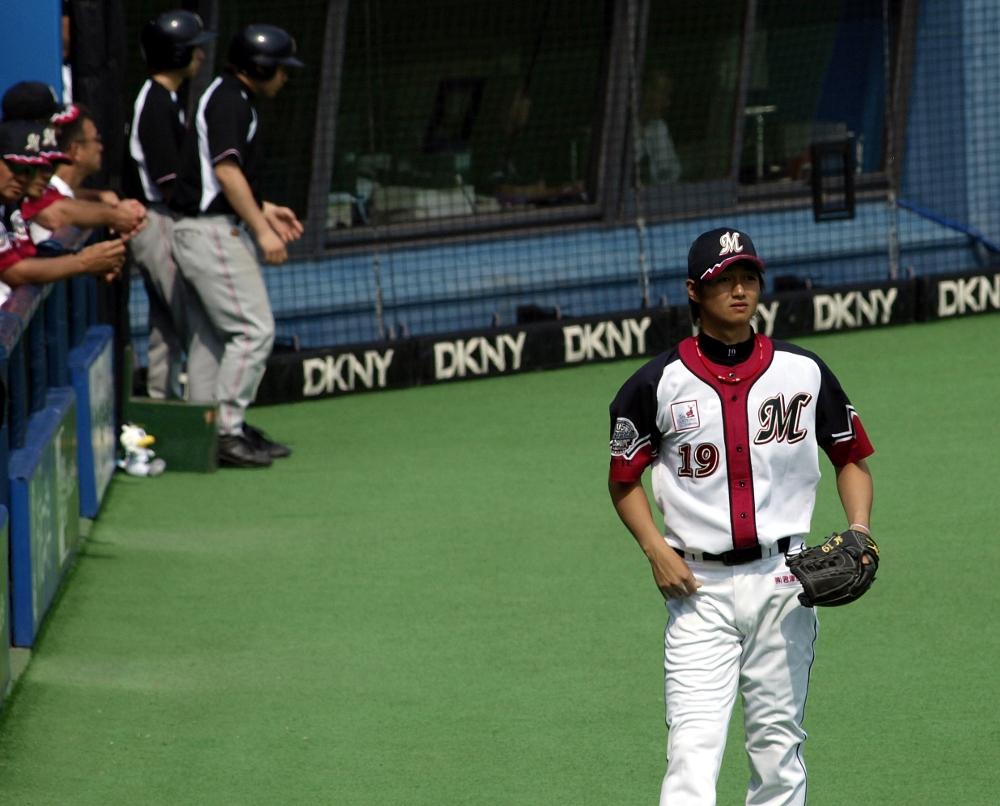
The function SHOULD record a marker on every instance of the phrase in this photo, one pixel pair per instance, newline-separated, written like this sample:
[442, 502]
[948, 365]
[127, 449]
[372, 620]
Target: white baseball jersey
[734, 450]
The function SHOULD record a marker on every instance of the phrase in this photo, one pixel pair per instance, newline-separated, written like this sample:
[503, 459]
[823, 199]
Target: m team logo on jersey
[730, 243]
[685, 415]
[625, 439]
[780, 422]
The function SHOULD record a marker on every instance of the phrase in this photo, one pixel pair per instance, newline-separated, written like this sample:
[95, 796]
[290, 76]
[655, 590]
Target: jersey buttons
[734, 398]
[743, 484]
[739, 449]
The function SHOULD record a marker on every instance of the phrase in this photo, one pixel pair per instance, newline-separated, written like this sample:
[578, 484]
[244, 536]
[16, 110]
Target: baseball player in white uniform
[730, 423]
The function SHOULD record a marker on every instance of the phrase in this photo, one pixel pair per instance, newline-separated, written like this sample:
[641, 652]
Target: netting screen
[466, 164]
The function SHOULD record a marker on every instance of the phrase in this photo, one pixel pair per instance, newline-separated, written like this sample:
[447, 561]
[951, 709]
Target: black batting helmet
[257, 51]
[167, 41]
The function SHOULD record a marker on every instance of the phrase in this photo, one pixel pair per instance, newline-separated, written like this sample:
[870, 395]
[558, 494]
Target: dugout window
[816, 75]
[454, 116]
[685, 116]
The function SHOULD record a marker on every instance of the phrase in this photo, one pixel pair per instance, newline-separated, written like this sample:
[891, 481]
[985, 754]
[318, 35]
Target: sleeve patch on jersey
[850, 450]
[685, 415]
[625, 439]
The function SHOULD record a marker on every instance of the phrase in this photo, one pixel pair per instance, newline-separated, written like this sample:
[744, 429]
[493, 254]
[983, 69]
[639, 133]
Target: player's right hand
[104, 258]
[273, 247]
[673, 576]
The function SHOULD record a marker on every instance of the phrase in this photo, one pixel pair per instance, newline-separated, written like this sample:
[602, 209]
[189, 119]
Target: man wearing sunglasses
[81, 142]
[21, 161]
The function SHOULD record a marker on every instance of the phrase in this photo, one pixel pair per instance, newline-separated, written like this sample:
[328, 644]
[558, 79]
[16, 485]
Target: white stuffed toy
[139, 459]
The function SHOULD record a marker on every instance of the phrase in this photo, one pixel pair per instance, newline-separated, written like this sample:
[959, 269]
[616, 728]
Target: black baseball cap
[30, 100]
[21, 142]
[714, 251]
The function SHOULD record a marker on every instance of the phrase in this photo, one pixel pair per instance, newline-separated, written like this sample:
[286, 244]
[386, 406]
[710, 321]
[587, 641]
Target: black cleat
[235, 450]
[260, 441]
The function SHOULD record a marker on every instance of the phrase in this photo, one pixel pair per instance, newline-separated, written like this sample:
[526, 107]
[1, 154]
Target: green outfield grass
[433, 602]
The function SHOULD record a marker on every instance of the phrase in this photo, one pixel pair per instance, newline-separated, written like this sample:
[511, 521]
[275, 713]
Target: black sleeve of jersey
[834, 412]
[839, 431]
[228, 126]
[158, 134]
[635, 438]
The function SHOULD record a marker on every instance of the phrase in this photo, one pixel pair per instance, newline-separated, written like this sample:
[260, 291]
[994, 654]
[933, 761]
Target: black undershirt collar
[728, 355]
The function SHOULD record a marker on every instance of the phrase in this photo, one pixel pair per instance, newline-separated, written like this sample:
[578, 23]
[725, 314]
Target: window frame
[602, 174]
[612, 156]
[668, 203]
[665, 202]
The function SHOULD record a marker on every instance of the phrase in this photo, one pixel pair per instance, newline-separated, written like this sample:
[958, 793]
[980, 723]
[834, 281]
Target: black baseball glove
[835, 573]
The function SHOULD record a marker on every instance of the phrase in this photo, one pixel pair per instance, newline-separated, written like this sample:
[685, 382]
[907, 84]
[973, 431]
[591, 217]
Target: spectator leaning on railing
[65, 202]
[59, 206]
[21, 160]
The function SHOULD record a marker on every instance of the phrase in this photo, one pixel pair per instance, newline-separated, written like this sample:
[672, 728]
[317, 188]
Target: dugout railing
[56, 444]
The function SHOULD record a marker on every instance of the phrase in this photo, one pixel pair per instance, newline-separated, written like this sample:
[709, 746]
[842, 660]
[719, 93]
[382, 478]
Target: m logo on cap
[730, 242]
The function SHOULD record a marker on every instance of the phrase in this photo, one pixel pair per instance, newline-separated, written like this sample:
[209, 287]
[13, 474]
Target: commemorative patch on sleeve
[624, 438]
[685, 415]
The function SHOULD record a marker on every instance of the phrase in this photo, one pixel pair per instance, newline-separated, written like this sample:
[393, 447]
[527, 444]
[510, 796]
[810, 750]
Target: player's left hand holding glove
[837, 572]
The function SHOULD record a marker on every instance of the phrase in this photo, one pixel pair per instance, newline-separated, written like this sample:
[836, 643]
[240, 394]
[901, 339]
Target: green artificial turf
[432, 602]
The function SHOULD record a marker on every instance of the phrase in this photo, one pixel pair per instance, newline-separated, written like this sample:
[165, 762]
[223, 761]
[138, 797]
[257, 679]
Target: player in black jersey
[217, 191]
[172, 47]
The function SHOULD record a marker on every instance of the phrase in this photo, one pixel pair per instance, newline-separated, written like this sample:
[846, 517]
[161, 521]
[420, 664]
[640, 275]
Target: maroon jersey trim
[32, 207]
[736, 427]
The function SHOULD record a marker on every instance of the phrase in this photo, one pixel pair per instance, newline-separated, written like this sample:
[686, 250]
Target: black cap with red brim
[21, 143]
[718, 249]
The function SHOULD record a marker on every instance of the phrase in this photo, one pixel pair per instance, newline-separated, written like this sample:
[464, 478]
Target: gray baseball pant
[219, 260]
[150, 252]
[175, 313]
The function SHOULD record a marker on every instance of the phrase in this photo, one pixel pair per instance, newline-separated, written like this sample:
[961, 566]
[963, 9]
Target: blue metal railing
[39, 325]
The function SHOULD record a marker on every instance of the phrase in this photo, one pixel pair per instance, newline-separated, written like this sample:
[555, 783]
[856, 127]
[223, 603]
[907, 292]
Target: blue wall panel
[45, 512]
[4, 606]
[31, 43]
[93, 382]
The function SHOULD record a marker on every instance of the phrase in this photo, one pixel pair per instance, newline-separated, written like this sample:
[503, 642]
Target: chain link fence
[460, 165]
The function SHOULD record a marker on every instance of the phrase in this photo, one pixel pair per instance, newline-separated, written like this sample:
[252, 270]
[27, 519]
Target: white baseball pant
[744, 630]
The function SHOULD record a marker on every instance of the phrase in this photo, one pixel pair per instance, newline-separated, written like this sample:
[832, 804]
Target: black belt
[735, 556]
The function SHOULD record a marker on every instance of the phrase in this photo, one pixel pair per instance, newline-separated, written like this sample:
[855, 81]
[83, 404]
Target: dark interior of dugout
[97, 57]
